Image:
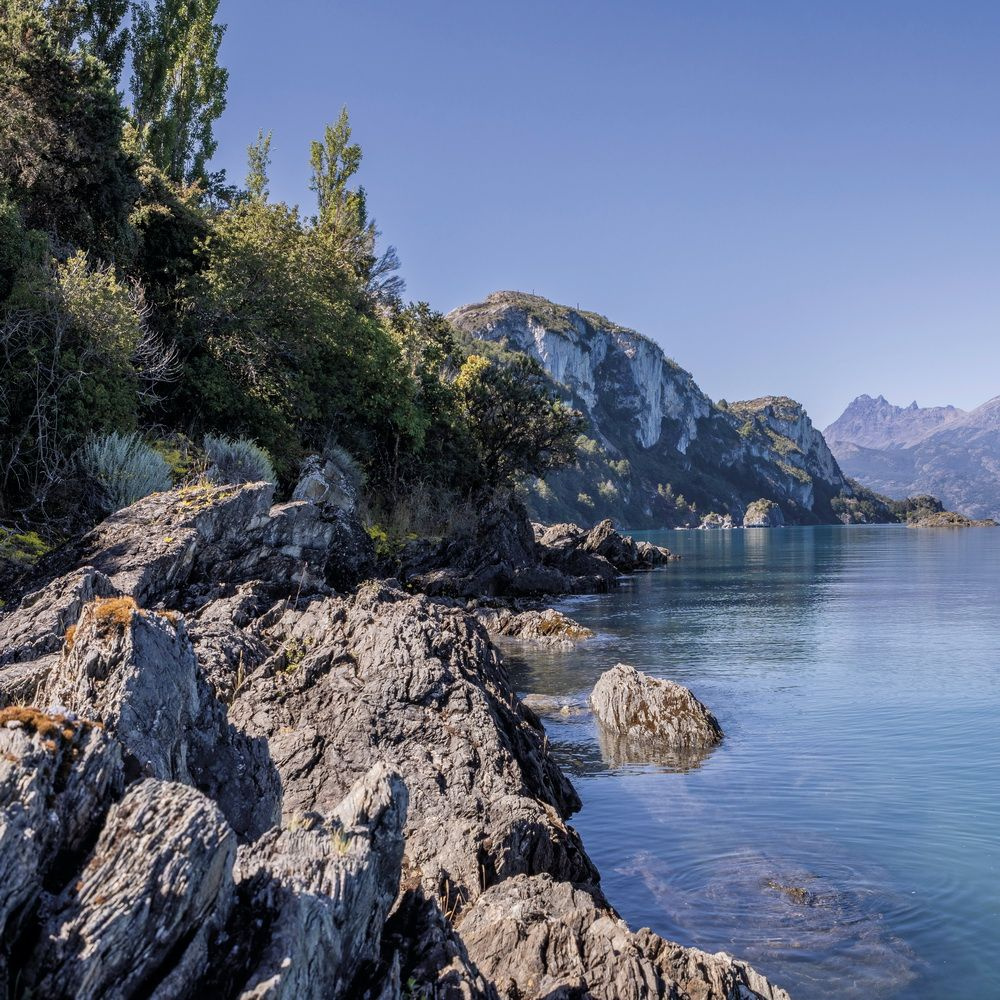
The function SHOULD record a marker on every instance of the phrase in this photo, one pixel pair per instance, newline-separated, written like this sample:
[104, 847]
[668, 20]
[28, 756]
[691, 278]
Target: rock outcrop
[537, 937]
[260, 781]
[656, 444]
[505, 555]
[647, 719]
[763, 514]
[546, 626]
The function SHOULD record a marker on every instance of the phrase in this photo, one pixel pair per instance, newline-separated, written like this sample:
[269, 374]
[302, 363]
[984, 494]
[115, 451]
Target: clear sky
[790, 196]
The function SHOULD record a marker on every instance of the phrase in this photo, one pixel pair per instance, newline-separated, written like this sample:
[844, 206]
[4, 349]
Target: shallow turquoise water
[856, 674]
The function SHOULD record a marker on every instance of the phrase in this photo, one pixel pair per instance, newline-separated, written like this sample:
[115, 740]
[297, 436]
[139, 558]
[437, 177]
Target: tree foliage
[136, 302]
[61, 152]
[520, 427]
[178, 86]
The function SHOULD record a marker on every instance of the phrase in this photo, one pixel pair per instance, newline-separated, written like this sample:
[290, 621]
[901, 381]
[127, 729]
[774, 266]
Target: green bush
[124, 467]
[237, 461]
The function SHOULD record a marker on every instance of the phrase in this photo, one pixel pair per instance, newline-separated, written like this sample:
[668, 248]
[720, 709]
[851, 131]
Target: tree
[288, 355]
[178, 87]
[342, 213]
[61, 154]
[520, 427]
[258, 162]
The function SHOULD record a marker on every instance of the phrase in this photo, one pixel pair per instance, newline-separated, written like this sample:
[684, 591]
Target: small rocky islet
[236, 759]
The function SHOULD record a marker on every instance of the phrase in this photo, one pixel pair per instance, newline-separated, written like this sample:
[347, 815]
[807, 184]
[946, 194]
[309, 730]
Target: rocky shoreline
[234, 763]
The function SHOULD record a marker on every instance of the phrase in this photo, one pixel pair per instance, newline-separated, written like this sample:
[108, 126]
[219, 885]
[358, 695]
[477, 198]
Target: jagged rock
[618, 549]
[283, 696]
[135, 672]
[418, 685]
[654, 555]
[324, 480]
[763, 514]
[537, 938]
[561, 536]
[138, 920]
[58, 776]
[201, 539]
[548, 626]
[508, 556]
[33, 634]
[648, 719]
[423, 940]
[324, 888]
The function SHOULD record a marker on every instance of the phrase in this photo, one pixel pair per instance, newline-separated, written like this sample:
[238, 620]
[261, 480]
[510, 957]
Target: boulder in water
[647, 719]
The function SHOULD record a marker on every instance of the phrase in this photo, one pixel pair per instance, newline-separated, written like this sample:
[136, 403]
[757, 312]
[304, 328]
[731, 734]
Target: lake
[845, 837]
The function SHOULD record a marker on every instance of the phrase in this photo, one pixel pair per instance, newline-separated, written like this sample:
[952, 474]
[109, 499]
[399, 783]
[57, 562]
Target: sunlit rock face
[605, 367]
[651, 427]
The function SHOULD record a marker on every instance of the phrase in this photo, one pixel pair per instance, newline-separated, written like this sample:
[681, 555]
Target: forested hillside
[161, 321]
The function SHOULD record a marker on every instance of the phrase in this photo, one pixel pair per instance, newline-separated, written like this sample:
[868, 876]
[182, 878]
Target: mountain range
[941, 450]
[657, 452]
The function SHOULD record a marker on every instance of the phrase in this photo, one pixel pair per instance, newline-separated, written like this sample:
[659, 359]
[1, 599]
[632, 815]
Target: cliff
[944, 451]
[658, 451]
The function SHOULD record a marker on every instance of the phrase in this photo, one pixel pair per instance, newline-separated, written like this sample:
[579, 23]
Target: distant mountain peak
[877, 423]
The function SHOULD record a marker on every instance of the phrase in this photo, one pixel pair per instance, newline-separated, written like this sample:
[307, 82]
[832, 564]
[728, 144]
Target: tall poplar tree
[178, 86]
[342, 212]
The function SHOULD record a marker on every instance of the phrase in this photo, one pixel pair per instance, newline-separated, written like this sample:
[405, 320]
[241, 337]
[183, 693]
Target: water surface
[845, 838]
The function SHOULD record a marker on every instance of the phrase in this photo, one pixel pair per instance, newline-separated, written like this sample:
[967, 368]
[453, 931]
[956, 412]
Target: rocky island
[234, 763]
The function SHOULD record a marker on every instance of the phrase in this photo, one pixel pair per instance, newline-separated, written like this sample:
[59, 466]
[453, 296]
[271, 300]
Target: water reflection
[620, 751]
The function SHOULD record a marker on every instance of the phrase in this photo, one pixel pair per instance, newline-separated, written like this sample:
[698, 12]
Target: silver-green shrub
[124, 467]
[238, 460]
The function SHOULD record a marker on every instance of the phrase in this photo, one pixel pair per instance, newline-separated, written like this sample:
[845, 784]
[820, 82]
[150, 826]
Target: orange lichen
[70, 638]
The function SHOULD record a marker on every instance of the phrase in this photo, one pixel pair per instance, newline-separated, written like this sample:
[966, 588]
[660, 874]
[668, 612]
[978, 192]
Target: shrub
[124, 467]
[238, 461]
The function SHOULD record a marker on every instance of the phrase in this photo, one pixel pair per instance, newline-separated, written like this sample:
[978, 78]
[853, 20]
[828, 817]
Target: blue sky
[790, 197]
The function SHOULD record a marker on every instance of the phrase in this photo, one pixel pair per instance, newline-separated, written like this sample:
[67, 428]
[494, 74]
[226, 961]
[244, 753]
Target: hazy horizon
[789, 200]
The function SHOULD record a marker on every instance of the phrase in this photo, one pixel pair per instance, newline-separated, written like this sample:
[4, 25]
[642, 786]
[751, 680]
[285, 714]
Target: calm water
[856, 674]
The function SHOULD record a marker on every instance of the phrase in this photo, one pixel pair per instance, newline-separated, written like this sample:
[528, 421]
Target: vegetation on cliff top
[145, 296]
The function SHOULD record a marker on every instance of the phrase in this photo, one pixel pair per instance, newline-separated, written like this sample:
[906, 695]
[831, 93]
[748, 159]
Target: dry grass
[113, 613]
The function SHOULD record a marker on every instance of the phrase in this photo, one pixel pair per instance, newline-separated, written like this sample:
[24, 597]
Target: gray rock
[58, 776]
[416, 684]
[547, 626]
[32, 636]
[138, 920]
[135, 672]
[536, 938]
[646, 719]
[326, 885]
[763, 514]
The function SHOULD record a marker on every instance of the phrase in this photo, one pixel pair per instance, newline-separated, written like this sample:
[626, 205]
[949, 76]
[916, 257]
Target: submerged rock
[644, 719]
